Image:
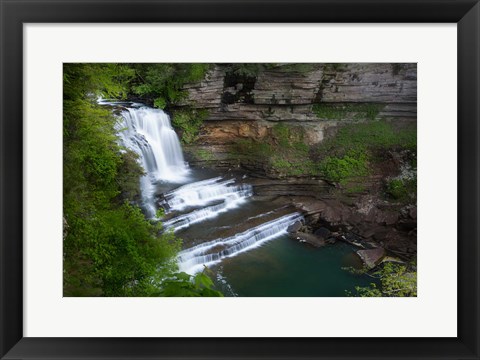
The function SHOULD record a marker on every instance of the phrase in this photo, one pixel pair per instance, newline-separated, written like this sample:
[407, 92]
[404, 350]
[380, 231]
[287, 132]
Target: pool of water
[284, 267]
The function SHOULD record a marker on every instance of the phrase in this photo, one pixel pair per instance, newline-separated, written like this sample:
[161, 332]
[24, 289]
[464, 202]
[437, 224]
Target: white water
[209, 212]
[148, 133]
[206, 254]
[202, 193]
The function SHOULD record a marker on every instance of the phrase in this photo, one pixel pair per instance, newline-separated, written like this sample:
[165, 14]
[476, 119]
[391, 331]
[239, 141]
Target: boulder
[371, 257]
[296, 226]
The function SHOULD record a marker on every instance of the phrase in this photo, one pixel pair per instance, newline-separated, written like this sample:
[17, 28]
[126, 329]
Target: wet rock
[296, 226]
[371, 257]
[381, 233]
[352, 239]
[309, 239]
[323, 232]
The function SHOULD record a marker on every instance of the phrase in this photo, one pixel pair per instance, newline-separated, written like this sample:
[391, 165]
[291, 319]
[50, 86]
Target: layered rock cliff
[313, 96]
[311, 100]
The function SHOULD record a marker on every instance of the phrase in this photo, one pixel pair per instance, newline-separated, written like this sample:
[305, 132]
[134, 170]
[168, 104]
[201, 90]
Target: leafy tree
[395, 280]
[110, 249]
[163, 82]
[183, 284]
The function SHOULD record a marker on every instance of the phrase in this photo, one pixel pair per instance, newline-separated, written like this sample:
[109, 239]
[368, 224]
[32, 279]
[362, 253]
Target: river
[241, 238]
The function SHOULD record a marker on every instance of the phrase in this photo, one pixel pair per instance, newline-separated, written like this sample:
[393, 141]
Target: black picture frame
[14, 13]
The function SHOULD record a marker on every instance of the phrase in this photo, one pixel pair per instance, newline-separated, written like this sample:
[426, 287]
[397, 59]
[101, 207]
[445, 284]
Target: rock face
[316, 98]
[371, 257]
[382, 224]
[243, 106]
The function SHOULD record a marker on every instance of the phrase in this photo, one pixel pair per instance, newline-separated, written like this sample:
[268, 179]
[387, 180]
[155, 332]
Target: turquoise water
[284, 267]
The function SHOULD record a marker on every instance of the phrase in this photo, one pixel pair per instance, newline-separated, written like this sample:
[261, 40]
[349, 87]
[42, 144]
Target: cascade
[149, 133]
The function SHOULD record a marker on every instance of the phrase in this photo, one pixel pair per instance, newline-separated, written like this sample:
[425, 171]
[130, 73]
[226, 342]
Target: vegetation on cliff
[348, 156]
[355, 149]
[162, 83]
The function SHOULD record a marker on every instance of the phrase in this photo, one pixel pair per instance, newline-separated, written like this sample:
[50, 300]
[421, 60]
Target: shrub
[345, 168]
[163, 82]
[401, 188]
[395, 280]
[189, 122]
[183, 284]
[205, 155]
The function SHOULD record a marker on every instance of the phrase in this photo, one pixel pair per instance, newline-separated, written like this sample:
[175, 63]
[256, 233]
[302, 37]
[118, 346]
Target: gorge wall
[316, 97]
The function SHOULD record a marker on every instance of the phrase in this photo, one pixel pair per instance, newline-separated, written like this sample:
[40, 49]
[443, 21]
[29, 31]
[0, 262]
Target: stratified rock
[286, 94]
[371, 257]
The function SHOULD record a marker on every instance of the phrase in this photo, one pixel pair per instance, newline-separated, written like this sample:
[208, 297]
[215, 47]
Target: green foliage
[107, 80]
[189, 121]
[395, 280]
[373, 135]
[396, 68]
[347, 111]
[163, 82]
[299, 68]
[293, 165]
[345, 168]
[204, 155]
[251, 148]
[286, 153]
[290, 137]
[160, 103]
[160, 213]
[402, 188]
[282, 134]
[347, 155]
[334, 67]
[183, 284]
[110, 249]
[252, 70]
[246, 69]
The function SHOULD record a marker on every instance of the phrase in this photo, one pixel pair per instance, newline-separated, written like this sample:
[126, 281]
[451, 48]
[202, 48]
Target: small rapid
[201, 193]
[193, 260]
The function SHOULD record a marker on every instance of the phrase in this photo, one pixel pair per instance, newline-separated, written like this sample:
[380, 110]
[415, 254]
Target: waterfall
[149, 134]
[193, 259]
